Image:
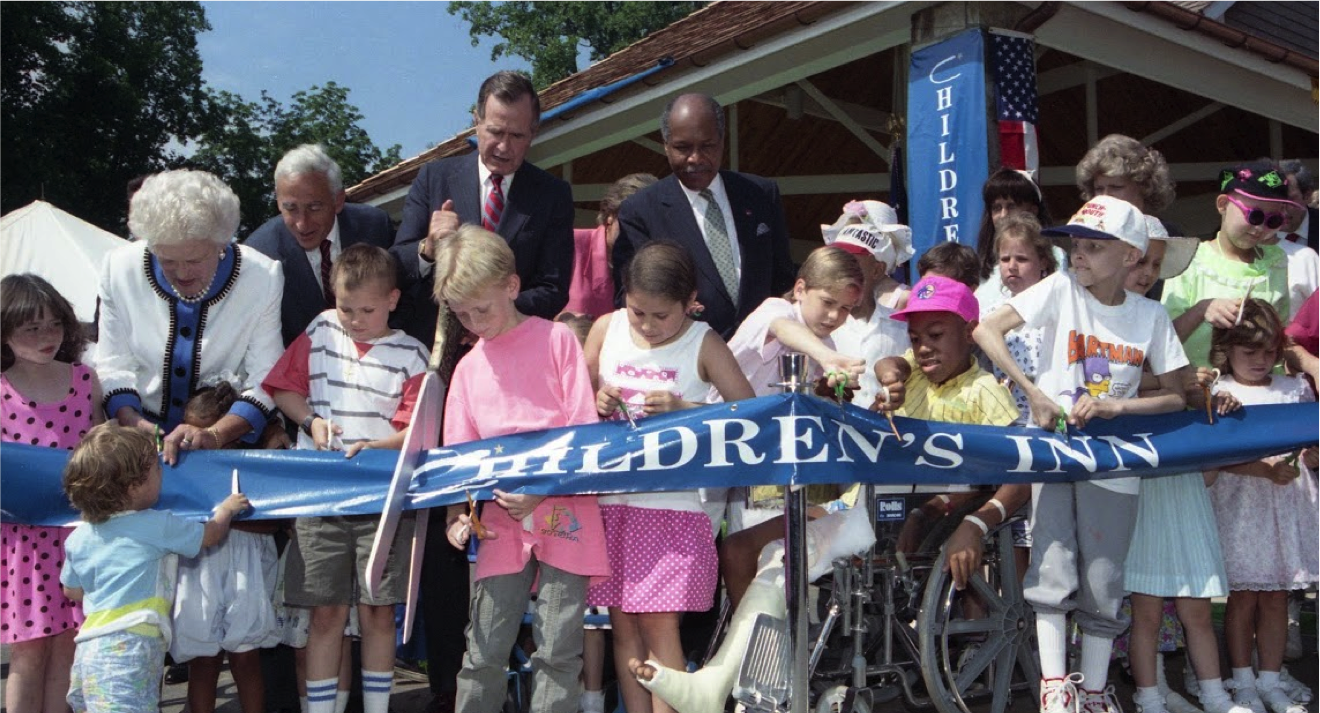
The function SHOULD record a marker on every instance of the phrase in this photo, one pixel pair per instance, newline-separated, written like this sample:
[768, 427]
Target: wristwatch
[306, 424]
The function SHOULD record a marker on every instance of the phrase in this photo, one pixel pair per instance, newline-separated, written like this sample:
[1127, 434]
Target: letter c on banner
[936, 68]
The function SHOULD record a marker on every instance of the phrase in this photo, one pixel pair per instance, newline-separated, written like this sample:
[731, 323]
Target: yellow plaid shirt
[974, 397]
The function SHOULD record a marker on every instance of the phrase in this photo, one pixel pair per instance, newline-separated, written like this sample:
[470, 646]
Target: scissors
[890, 414]
[474, 522]
[1207, 389]
[1243, 307]
[1061, 423]
[626, 412]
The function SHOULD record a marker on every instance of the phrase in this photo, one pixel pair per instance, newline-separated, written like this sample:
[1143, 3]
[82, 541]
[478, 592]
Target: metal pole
[792, 370]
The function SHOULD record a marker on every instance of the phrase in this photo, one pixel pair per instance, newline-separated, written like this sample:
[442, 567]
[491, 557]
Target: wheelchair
[892, 627]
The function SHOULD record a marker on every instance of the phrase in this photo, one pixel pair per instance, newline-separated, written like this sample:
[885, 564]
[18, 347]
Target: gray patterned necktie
[717, 241]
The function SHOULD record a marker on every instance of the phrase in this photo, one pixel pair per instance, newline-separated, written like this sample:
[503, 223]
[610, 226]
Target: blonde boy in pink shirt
[524, 374]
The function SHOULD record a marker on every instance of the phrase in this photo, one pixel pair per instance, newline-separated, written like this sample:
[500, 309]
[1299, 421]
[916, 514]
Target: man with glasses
[1238, 263]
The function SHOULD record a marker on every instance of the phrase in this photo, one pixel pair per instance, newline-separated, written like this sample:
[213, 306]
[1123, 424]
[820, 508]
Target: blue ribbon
[777, 440]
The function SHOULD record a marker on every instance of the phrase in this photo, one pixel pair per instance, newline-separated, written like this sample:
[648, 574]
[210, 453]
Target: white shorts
[223, 600]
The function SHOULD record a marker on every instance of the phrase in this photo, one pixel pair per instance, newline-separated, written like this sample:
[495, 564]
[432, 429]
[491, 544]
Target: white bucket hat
[871, 228]
[1178, 252]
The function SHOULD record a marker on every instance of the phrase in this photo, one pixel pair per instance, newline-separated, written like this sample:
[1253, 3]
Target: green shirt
[1212, 275]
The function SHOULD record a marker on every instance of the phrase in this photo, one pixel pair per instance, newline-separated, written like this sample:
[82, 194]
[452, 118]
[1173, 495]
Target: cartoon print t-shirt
[1096, 349]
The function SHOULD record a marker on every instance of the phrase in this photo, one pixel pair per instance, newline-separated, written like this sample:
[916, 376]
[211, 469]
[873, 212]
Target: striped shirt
[356, 385]
[972, 397]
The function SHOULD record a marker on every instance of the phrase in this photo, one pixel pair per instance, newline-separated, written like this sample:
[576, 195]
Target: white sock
[1244, 677]
[321, 695]
[593, 701]
[1267, 680]
[376, 690]
[302, 704]
[1212, 689]
[1052, 636]
[341, 700]
[1149, 697]
[1095, 661]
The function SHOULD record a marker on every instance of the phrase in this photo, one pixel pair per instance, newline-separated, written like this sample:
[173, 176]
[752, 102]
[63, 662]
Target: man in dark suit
[1302, 227]
[314, 226]
[731, 223]
[534, 214]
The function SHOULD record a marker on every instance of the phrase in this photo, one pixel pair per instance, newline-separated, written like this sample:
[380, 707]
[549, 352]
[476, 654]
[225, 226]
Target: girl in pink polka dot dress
[46, 399]
[651, 357]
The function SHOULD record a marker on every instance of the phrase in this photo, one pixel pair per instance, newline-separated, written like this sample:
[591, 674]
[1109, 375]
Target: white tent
[65, 250]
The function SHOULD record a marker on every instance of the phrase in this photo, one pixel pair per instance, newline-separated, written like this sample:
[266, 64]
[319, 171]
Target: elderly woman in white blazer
[182, 308]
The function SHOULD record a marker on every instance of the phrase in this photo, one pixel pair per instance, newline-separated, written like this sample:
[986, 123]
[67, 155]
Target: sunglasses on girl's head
[1256, 216]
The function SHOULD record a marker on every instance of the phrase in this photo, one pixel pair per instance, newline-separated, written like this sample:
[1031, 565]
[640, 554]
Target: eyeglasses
[1256, 216]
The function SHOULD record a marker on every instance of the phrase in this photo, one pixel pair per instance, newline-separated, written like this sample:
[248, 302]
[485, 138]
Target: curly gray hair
[173, 207]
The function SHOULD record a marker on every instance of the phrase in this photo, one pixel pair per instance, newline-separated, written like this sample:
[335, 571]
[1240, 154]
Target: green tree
[244, 140]
[93, 94]
[549, 34]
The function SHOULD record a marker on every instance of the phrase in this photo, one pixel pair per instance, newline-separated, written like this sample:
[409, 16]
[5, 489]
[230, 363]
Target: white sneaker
[1224, 705]
[1100, 701]
[1247, 697]
[1297, 690]
[1156, 707]
[1059, 695]
[1279, 701]
[1175, 703]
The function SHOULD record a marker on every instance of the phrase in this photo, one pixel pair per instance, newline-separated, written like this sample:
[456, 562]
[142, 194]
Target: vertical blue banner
[948, 159]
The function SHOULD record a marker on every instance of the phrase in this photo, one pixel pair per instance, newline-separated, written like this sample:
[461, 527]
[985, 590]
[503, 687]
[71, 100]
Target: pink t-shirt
[592, 290]
[530, 378]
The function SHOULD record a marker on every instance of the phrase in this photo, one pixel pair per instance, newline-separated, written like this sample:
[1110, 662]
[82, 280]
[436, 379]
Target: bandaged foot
[705, 691]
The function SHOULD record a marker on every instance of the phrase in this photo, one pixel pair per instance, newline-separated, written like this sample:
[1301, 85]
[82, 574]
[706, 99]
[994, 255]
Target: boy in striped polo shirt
[346, 380]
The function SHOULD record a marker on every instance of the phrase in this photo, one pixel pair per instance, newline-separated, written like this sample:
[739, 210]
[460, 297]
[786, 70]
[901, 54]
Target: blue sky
[410, 66]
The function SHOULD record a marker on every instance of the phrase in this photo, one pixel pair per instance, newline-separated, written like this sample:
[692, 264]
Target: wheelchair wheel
[965, 659]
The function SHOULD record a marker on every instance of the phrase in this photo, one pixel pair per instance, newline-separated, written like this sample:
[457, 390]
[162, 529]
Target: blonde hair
[469, 261]
[109, 462]
[829, 268]
[1125, 157]
[178, 206]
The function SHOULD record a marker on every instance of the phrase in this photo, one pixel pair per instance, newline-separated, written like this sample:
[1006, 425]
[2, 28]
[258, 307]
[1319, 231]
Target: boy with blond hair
[557, 542]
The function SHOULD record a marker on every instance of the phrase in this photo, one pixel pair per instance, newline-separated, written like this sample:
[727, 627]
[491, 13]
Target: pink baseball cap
[936, 293]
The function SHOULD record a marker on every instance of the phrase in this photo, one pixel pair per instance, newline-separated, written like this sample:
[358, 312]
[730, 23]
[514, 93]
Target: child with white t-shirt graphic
[1097, 336]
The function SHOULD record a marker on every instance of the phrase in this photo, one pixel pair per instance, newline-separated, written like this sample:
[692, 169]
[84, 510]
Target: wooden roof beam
[843, 118]
[869, 118]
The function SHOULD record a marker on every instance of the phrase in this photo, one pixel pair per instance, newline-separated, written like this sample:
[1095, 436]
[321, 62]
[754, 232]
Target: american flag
[1013, 60]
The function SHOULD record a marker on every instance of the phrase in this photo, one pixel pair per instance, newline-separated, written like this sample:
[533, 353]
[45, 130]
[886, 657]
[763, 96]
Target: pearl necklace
[200, 295]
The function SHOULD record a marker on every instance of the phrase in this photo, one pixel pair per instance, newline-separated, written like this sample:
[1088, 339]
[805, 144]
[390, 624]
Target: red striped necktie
[326, 288]
[494, 208]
